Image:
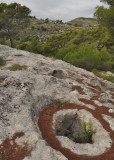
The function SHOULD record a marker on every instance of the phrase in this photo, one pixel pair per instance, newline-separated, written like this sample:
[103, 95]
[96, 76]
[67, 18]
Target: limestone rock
[24, 93]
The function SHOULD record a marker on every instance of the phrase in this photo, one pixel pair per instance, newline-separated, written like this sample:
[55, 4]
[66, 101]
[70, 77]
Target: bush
[64, 51]
[88, 133]
[32, 28]
[46, 20]
[83, 48]
[96, 72]
[2, 61]
[86, 56]
[43, 28]
[109, 78]
[2, 41]
[31, 44]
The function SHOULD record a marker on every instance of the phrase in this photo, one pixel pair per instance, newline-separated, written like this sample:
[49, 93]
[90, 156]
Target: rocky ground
[29, 108]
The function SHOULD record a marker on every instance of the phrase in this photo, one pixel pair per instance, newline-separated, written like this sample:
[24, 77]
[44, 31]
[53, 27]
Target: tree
[46, 20]
[105, 16]
[109, 2]
[12, 17]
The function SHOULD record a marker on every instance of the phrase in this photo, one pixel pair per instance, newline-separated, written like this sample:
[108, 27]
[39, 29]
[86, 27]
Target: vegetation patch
[17, 67]
[78, 88]
[2, 61]
[48, 112]
[59, 104]
[10, 150]
[109, 78]
[99, 74]
[88, 133]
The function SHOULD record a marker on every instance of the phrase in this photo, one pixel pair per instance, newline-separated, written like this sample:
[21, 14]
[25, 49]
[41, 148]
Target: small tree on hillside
[12, 17]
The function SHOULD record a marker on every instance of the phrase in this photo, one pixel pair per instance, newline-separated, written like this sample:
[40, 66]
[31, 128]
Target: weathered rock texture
[24, 93]
[101, 139]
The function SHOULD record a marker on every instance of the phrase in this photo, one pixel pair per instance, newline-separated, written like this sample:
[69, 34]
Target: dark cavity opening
[72, 127]
[58, 74]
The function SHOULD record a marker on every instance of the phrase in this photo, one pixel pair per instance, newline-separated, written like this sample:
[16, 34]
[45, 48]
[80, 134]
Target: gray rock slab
[24, 93]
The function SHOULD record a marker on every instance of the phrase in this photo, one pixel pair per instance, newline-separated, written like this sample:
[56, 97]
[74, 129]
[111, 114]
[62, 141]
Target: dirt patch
[70, 73]
[78, 88]
[84, 75]
[111, 102]
[49, 135]
[97, 98]
[80, 81]
[10, 150]
[1, 80]
[95, 87]
[86, 101]
[95, 91]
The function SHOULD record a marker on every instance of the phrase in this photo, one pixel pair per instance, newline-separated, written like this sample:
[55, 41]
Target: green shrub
[17, 67]
[46, 20]
[43, 28]
[96, 72]
[32, 28]
[2, 41]
[112, 70]
[2, 61]
[30, 44]
[83, 48]
[86, 56]
[88, 133]
[109, 78]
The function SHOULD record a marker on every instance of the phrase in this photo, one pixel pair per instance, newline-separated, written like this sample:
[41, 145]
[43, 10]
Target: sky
[64, 10]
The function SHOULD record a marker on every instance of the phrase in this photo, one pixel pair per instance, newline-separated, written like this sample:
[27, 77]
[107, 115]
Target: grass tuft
[17, 67]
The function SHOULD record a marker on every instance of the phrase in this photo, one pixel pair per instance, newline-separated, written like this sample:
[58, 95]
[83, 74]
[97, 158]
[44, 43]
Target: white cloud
[59, 9]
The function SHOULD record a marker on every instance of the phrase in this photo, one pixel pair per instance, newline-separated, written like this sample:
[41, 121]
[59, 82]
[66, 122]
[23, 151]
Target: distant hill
[83, 22]
[44, 28]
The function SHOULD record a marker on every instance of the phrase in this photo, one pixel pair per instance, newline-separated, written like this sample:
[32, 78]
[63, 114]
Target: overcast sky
[59, 9]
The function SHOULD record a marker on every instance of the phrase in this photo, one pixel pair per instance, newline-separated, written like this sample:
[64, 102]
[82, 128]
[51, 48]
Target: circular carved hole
[74, 128]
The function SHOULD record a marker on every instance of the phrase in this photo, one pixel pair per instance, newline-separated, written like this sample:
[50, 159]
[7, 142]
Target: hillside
[52, 110]
[84, 48]
[84, 22]
[45, 28]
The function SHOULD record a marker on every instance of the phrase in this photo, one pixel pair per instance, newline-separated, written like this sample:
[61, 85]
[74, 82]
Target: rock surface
[101, 138]
[24, 93]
